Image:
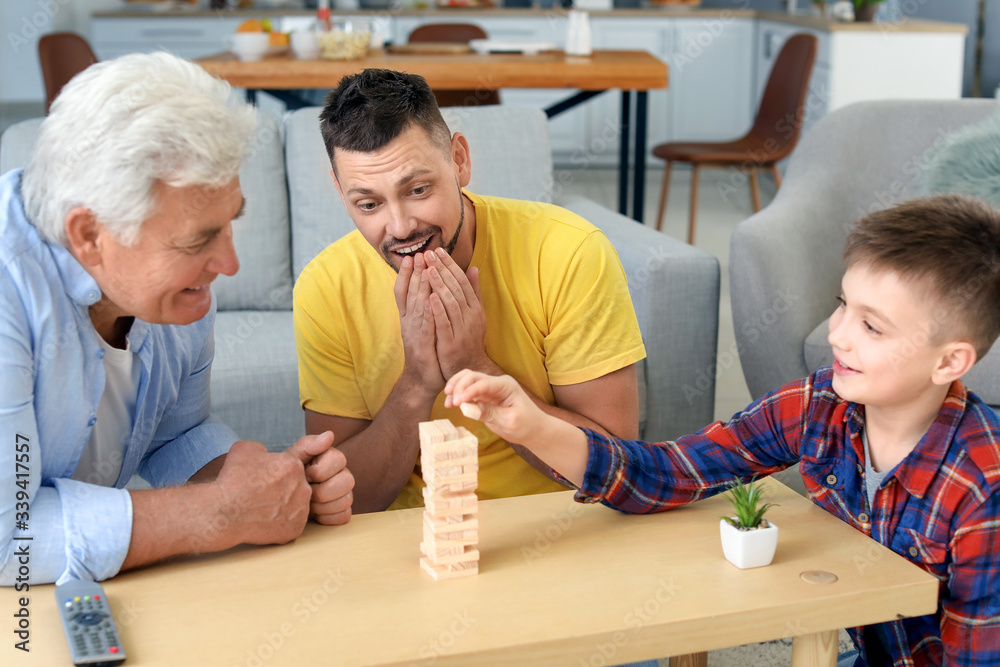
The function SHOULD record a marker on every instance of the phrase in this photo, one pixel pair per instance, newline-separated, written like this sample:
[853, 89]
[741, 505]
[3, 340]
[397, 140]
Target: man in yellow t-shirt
[437, 279]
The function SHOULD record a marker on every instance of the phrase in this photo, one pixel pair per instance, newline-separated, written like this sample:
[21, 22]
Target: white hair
[122, 126]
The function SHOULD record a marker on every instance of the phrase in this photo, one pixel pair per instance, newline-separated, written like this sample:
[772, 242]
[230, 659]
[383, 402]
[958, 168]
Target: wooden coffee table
[560, 583]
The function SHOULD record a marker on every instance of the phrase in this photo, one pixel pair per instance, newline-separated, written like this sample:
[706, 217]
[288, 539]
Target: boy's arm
[505, 407]
[639, 477]
[970, 616]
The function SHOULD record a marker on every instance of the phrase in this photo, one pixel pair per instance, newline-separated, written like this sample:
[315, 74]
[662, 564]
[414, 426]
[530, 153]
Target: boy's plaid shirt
[939, 508]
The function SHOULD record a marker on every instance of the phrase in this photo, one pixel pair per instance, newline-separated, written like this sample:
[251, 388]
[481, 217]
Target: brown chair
[461, 33]
[62, 55]
[771, 139]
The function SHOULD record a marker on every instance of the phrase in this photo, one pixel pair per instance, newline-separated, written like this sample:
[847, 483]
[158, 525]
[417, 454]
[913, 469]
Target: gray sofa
[293, 212]
[785, 262]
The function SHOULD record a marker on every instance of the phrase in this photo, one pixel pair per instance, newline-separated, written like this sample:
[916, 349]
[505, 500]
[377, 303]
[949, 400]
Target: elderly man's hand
[328, 476]
[460, 322]
[412, 290]
[264, 496]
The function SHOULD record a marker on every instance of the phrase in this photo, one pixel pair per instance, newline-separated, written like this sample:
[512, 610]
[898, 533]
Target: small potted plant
[864, 10]
[748, 539]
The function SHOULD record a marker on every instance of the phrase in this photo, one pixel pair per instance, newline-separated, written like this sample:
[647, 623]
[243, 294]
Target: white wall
[23, 22]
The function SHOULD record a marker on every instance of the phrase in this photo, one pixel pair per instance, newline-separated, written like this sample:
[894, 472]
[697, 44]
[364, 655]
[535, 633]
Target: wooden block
[436, 463]
[467, 556]
[436, 548]
[430, 432]
[441, 527]
[444, 479]
[442, 451]
[430, 467]
[450, 485]
[435, 552]
[445, 572]
[447, 428]
[438, 505]
[461, 541]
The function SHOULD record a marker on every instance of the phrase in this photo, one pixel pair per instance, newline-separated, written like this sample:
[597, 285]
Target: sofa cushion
[261, 236]
[264, 281]
[255, 380]
[510, 154]
[984, 378]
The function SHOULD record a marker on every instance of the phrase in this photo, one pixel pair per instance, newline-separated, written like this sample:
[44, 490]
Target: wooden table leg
[818, 649]
[692, 660]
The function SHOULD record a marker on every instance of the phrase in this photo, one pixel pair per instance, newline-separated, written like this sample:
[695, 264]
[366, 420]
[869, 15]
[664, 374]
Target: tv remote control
[90, 629]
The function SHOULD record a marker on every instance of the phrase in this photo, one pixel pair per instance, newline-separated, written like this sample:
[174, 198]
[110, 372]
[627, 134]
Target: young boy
[888, 439]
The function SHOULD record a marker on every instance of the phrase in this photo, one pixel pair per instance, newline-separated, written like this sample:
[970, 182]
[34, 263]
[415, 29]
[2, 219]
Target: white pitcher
[578, 33]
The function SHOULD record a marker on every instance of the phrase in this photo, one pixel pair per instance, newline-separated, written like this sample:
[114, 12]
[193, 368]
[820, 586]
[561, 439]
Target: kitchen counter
[804, 21]
[827, 24]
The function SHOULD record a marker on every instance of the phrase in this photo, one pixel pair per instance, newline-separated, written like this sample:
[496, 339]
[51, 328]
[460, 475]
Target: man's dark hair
[369, 109]
[948, 246]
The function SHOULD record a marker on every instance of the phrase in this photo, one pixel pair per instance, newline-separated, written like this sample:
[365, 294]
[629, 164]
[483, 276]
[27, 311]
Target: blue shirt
[51, 380]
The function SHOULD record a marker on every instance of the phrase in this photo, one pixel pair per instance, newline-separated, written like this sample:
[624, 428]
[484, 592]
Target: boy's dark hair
[947, 244]
[369, 109]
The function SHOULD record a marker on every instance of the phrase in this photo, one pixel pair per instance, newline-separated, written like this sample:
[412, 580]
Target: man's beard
[449, 247]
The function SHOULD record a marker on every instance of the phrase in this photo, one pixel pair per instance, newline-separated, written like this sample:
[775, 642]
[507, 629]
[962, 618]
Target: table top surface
[602, 70]
[559, 582]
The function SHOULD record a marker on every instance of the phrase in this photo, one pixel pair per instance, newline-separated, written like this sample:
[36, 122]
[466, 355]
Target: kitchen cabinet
[879, 62]
[711, 79]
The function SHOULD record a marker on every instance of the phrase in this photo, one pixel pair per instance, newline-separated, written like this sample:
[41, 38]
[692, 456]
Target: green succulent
[746, 501]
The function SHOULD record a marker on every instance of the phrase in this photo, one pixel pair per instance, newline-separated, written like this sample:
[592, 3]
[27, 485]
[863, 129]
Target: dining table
[634, 73]
[560, 583]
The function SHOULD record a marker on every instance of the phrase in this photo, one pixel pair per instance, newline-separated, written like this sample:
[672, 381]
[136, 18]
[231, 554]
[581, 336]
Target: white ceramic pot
[748, 548]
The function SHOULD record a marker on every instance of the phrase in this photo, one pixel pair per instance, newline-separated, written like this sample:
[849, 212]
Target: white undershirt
[873, 478]
[102, 458]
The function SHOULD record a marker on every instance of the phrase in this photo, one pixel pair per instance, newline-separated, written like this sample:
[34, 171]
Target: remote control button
[113, 649]
[76, 599]
[88, 618]
[97, 597]
[69, 605]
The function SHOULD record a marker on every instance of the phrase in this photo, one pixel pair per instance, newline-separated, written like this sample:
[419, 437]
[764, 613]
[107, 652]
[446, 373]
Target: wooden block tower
[449, 458]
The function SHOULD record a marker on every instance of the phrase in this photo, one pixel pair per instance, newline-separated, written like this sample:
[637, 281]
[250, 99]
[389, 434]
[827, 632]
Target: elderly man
[109, 241]
[437, 279]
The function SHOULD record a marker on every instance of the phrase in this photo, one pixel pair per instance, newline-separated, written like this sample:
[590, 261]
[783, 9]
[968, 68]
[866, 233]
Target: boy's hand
[508, 411]
[503, 404]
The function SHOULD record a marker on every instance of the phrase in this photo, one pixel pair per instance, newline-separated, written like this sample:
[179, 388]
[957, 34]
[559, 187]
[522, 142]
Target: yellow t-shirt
[557, 308]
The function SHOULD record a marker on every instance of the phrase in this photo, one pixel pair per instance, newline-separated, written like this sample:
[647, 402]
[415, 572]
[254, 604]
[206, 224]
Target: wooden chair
[461, 33]
[62, 56]
[774, 133]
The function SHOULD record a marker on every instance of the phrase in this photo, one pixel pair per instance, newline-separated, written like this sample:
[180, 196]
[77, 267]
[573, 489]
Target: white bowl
[304, 44]
[249, 46]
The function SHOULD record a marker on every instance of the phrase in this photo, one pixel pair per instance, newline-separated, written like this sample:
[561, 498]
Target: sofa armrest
[675, 292]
